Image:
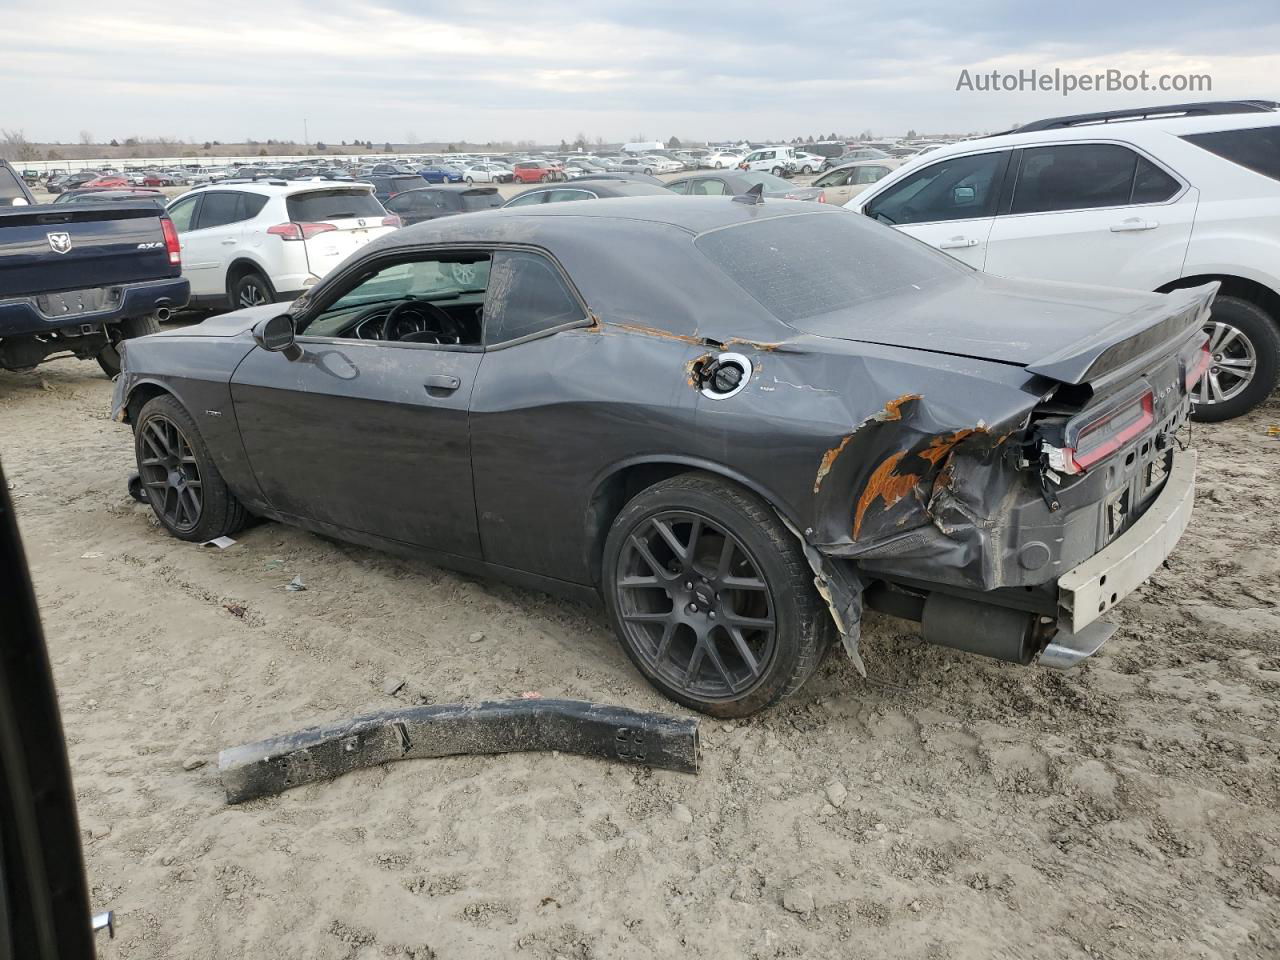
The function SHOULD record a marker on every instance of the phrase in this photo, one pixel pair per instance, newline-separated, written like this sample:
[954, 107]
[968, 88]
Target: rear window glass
[481, 200]
[809, 265]
[1257, 150]
[333, 205]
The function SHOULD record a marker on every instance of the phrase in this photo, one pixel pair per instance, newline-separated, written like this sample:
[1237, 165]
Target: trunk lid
[1065, 332]
[48, 248]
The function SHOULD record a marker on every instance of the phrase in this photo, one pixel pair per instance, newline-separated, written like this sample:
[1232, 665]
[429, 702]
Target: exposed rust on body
[891, 411]
[943, 444]
[753, 344]
[828, 461]
[657, 332]
[884, 484]
[694, 369]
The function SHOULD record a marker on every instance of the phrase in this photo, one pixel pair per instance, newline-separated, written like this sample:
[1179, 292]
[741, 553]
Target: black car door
[367, 431]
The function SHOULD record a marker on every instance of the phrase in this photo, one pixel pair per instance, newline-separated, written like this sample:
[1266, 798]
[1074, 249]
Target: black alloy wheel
[170, 474]
[711, 596]
[178, 477]
[695, 605]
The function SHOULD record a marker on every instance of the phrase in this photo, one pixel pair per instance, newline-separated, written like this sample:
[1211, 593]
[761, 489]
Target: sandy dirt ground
[1126, 810]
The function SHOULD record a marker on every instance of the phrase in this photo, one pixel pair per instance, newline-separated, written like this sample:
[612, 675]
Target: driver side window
[435, 300]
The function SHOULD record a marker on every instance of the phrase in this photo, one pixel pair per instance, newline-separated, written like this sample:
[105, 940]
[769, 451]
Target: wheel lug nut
[689, 585]
[712, 614]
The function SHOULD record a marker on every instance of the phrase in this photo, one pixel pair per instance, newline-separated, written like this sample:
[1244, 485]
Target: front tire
[126, 329]
[711, 596]
[1244, 346]
[470, 182]
[182, 484]
[806, 169]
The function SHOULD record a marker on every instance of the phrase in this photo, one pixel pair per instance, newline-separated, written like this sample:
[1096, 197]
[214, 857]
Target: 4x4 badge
[60, 242]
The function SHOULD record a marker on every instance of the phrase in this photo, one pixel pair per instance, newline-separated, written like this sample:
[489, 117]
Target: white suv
[779, 161]
[1151, 199]
[245, 243]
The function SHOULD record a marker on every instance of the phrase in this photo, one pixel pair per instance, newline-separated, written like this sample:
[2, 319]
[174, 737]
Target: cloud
[488, 70]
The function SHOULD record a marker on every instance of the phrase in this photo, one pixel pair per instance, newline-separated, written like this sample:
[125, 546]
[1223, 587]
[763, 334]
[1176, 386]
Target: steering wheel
[447, 329]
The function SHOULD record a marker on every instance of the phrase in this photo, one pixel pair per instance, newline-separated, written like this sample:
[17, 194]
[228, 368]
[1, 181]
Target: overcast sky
[483, 70]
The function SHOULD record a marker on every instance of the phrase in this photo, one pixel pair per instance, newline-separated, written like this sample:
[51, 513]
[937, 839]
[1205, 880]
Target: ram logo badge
[60, 242]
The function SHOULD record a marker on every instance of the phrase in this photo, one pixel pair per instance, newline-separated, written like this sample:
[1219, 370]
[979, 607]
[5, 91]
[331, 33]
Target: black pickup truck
[78, 279]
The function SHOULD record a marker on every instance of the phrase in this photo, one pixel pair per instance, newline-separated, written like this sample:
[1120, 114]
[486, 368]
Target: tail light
[171, 243]
[1096, 434]
[391, 220]
[1198, 366]
[299, 231]
[822, 197]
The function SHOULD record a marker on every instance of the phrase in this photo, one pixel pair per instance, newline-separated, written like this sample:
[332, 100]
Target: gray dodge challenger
[738, 422]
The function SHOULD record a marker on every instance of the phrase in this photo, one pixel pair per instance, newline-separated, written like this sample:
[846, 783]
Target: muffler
[163, 314]
[981, 628]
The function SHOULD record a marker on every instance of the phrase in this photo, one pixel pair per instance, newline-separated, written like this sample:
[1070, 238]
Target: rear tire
[250, 290]
[126, 329]
[1240, 333]
[755, 616]
[183, 486]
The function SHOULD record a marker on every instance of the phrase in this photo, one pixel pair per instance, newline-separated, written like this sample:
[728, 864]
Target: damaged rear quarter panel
[889, 456]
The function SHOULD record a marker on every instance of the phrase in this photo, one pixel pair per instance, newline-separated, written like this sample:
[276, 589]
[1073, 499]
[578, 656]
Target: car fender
[598, 510]
[1215, 252]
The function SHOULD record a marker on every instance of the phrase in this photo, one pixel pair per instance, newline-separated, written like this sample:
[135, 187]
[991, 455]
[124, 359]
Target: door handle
[957, 243]
[1133, 223]
[442, 382]
[230, 241]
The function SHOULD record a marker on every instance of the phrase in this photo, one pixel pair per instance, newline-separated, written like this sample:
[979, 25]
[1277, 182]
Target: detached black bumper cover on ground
[503, 726]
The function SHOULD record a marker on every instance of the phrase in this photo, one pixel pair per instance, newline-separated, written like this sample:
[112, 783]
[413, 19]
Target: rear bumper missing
[1090, 589]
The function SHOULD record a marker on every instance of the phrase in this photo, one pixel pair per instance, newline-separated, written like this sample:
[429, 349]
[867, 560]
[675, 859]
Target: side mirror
[963, 196]
[277, 335]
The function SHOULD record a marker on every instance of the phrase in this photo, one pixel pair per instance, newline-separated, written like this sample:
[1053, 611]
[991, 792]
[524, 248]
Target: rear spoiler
[1132, 339]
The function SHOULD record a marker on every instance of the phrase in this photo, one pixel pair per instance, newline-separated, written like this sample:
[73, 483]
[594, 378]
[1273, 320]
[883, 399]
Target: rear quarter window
[322, 205]
[810, 265]
[1257, 149]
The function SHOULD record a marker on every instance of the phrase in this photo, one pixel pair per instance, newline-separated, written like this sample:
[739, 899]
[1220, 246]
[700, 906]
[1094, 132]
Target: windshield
[807, 266]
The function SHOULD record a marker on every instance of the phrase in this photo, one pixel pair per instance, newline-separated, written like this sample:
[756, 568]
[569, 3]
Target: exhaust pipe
[981, 628]
[163, 314]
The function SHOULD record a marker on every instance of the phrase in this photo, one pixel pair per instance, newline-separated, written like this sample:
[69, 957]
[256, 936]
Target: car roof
[279, 188]
[870, 162]
[449, 188]
[546, 222]
[1134, 128]
[606, 188]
